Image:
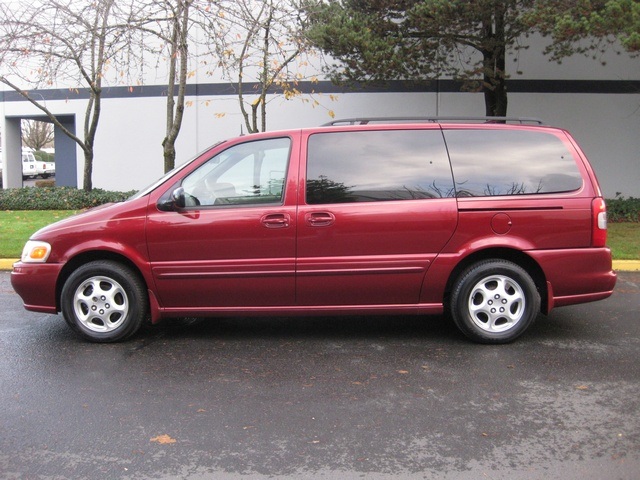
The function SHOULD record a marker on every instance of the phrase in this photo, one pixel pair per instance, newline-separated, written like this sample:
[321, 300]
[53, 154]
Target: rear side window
[501, 162]
[374, 166]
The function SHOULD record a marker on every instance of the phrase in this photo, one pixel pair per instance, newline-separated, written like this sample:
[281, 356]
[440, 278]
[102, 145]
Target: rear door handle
[276, 220]
[320, 219]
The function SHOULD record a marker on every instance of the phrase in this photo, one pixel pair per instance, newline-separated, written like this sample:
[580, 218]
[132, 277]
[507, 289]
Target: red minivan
[492, 223]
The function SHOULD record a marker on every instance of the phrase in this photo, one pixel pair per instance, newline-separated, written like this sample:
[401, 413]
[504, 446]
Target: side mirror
[170, 202]
[178, 198]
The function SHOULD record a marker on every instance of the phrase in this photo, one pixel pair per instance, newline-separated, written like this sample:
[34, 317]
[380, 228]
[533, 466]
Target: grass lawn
[17, 226]
[624, 240]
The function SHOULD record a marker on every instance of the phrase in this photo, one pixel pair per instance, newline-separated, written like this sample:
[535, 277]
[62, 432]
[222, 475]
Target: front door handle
[276, 220]
[320, 219]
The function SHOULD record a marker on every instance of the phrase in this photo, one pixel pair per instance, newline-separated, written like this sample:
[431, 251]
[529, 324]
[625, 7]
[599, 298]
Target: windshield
[169, 174]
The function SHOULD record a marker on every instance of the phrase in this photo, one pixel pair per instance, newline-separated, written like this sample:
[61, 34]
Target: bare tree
[178, 62]
[171, 25]
[48, 43]
[37, 135]
[264, 50]
[169, 21]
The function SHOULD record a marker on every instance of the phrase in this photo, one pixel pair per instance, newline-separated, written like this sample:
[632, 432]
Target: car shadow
[338, 327]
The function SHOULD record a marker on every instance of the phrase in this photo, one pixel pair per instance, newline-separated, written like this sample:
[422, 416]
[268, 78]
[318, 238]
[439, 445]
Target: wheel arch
[516, 256]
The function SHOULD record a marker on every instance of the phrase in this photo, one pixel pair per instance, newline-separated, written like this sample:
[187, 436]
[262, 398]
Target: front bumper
[36, 285]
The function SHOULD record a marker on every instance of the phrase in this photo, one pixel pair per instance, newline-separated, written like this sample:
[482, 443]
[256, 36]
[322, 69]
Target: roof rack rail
[368, 120]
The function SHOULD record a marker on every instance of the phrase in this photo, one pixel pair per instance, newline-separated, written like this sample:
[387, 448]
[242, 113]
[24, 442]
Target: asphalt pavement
[324, 398]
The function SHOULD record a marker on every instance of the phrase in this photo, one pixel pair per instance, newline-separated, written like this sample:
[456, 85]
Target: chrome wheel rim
[496, 304]
[100, 304]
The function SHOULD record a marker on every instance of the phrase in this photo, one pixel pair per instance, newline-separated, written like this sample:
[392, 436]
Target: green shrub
[621, 209]
[44, 156]
[57, 198]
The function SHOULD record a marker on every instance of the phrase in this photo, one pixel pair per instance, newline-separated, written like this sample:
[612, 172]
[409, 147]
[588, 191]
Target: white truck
[32, 167]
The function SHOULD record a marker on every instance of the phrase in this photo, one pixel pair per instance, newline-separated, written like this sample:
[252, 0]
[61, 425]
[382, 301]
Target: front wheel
[494, 301]
[104, 301]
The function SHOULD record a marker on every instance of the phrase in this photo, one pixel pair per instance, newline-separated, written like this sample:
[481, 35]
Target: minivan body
[490, 223]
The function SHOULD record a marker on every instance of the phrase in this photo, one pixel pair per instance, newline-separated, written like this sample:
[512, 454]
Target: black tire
[104, 301]
[494, 301]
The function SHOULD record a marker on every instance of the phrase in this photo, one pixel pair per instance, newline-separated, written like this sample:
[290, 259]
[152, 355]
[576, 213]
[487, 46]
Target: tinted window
[244, 174]
[501, 162]
[377, 166]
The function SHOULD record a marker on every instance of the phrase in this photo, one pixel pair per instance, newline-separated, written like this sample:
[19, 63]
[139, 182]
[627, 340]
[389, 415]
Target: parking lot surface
[325, 398]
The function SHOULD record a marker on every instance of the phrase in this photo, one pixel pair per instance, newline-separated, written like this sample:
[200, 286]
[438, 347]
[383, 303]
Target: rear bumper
[36, 285]
[576, 275]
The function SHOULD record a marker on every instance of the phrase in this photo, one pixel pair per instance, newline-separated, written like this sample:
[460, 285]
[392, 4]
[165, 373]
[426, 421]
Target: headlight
[35, 252]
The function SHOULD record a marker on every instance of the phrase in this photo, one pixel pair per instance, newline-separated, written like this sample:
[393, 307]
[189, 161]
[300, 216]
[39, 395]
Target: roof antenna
[241, 131]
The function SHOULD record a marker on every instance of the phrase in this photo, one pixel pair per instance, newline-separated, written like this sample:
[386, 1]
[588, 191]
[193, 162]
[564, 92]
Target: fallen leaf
[403, 372]
[582, 387]
[163, 439]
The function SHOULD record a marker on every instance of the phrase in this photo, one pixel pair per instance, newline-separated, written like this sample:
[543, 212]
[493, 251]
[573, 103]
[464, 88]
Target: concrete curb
[7, 263]
[626, 265]
[619, 265]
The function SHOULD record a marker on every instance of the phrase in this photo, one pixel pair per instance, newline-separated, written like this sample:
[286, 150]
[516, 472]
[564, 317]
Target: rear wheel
[494, 301]
[104, 301]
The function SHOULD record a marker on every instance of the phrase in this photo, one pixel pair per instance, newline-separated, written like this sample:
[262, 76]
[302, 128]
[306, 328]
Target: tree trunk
[88, 170]
[169, 152]
[494, 87]
[91, 125]
[92, 115]
[494, 64]
[175, 109]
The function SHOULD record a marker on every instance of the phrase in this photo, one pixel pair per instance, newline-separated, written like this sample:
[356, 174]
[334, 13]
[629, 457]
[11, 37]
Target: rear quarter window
[374, 166]
[510, 162]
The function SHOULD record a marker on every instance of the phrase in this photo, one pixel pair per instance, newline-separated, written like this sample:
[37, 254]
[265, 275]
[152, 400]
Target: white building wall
[128, 154]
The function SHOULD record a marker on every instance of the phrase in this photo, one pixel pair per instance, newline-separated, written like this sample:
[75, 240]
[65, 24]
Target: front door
[233, 244]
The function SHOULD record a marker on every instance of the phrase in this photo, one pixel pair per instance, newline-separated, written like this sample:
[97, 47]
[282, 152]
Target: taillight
[599, 226]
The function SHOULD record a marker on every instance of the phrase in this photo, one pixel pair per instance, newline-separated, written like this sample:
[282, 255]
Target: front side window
[510, 162]
[245, 174]
[374, 166]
